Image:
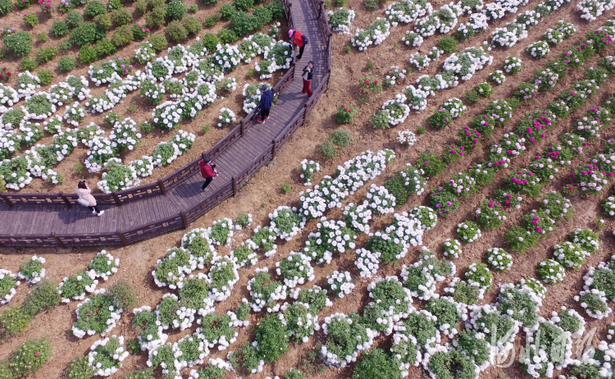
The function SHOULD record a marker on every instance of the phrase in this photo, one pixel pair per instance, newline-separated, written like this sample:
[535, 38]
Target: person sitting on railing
[265, 103]
[208, 171]
[86, 199]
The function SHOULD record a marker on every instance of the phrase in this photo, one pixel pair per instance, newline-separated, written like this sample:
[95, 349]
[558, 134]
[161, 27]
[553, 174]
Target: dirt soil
[263, 194]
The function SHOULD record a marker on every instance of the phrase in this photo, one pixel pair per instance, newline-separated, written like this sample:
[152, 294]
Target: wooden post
[273, 149]
[304, 113]
[59, 241]
[184, 220]
[117, 199]
[322, 3]
[65, 199]
[123, 238]
[161, 185]
[6, 199]
[234, 186]
[241, 125]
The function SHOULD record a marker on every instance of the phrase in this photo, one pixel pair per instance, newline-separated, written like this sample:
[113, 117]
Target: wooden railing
[161, 187]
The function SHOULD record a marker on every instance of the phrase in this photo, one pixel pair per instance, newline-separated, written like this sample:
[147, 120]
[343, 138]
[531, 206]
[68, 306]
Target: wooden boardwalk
[135, 215]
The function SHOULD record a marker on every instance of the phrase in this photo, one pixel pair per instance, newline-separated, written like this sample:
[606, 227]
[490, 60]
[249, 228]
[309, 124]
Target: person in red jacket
[208, 171]
[296, 39]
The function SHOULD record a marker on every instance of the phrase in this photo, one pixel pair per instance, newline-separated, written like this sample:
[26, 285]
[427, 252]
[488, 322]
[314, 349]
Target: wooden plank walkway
[56, 224]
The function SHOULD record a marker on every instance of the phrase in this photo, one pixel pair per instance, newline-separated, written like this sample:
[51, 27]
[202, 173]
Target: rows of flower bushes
[199, 88]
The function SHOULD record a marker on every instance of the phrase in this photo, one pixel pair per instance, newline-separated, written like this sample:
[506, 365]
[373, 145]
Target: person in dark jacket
[308, 72]
[208, 171]
[265, 103]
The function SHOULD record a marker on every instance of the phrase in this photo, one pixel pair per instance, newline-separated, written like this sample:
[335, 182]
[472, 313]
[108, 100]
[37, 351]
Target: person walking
[86, 199]
[308, 72]
[265, 103]
[296, 40]
[208, 171]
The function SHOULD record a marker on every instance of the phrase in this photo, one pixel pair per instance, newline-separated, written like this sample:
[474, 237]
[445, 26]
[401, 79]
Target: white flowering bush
[380, 200]
[106, 356]
[418, 62]
[223, 275]
[27, 84]
[569, 320]
[340, 283]
[189, 351]
[227, 117]
[252, 94]
[145, 53]
[296, 269]
[38, 106]
[520, 302]
[32, 270]
[423, 275]
[512, 65]
[587, 239]
[451, 248]
[425, 215]
[101, 151]
[509, 35]
[172, 314]
[566, 28]
[8, 97]
[97, 314]
[86, 134]
[375, 34]
[103, 265]
[465, 64]
[172, 269]
[14, 173]
[412, 39]
[330, 237]
[448, 313]
[300, 320]
[125, 134]
[406, 137]
[345, 338]
[308, 168]
[167, 115]
[498, 259]
[538, 49]
[117, 177]
[550, 349]
[264, 239]
[357, 217]
[468, 232]
[199, 246]
[7, 286]
[76, 286]
[245, 255]
[497, 77]
[228, 57]
[165, 153]
[73, 114]
[143, 166]
[367, 262]
[570, 254]
[592, 9]
[595, 303]
[216, 331]
[286, 222]
[265, 293]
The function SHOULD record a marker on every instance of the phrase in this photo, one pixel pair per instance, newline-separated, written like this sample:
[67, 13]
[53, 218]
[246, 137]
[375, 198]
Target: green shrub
[42, 37]
[277, 9]
[27, 64]
[227, 11]
[159, 42]
[141, 7]
[94, 8]
[6, 6]
[193, 8]
[243, 5]
[18, 44]
[86, 34]
[227, 36]
[123, 295]
[30, 356]
[79, 368]
[87, 54]
[210, 41]
[73, 19]
[44, 295]
[65, 44]
[340, 137]
[103, 21]
[104, 47]
[263, 16]
[122, 36]
[5, 370]
[156, 17]
[192, 25]
[371, 5]
[377, 364]
[111, 118]
[448, 44]
[472, 97]
[30, 19]
[14, 320]
[272, 337]
[328, 150]
[210, 2]
[121, 17]
[244, 23]
[210, 21]
[59, 28]
[45, 76]
[176, 32]
[46, 54]
[176, 10]
[146, 373]
[66, 64]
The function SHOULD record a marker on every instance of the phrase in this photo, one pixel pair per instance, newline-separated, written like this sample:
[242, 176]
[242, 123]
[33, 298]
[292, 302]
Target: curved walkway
[172, 203]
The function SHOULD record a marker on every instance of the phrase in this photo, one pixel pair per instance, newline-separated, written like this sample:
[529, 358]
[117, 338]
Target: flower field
[446, 212]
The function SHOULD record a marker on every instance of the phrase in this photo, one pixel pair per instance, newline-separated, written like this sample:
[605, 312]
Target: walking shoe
[93, 212]
[100, 214]
[260, 121]
[267, 118]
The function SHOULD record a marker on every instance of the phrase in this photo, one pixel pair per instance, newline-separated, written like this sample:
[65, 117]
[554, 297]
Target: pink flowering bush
[491, 214]
[443, 201]
[589, 179]
[369, 84]
[345, 113]
[524, 181]
[45, 5]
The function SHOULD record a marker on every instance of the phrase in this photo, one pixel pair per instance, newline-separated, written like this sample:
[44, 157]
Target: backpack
[305, 39]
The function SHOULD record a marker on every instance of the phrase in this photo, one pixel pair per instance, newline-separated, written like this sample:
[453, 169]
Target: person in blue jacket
[265, 103]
